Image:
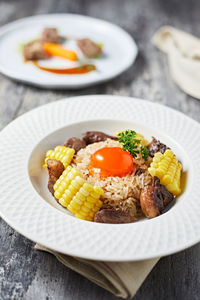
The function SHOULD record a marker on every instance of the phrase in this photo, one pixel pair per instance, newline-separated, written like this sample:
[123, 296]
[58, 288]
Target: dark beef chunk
[156, 146]
[55, 169]
[112, 216]
[161, 193]
[91, 137]
[154, 198]
[50, 35]
[89, 48]
[34, 50]
[75, 143]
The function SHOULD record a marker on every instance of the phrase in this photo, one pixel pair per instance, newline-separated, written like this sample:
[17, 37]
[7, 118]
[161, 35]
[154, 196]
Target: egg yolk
[111, 161]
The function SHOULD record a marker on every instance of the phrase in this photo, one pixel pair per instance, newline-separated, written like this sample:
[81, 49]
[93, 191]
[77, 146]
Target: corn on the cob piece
[86, 202]
[62, 153]
[138, 136]
[68, 185]
[142, 139]
[168, 169]
[73, 192]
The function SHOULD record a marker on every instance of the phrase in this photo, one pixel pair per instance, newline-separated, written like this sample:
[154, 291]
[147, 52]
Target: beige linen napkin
[183, 51]
[123, 279]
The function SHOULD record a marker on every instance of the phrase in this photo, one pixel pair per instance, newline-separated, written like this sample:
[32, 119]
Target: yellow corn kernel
[142, 139]
[79, 202]
[89, 219]
[98, 190]
[71, 190]
[80, 197]
[62, 153]
[63, 202]
[83, 191]
[88, 187]
[167, 168]
[157, 157]
[99, 203]
[94, 195]
[85, 209]
[83, 217]
[79, 216]
[138, 136]
[95, 209]
[74, 207]
[88, 199]
[65, 198]
[68, 184]
[91, 199]
[91, 214]
[89, 205]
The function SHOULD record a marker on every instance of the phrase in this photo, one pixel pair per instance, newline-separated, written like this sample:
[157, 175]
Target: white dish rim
[92, 99]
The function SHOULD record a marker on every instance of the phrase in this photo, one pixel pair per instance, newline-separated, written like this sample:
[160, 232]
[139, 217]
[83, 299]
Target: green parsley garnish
[144, 152]
[129, 141]
[131, 144]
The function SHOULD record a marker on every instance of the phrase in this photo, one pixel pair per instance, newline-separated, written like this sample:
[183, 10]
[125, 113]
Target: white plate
[27, 206]
[119, 50]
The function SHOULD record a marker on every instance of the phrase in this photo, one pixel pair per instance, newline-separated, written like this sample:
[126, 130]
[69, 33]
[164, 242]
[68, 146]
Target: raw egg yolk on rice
[111, 161]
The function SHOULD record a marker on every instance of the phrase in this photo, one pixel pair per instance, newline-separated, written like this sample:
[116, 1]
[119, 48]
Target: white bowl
[28, 207]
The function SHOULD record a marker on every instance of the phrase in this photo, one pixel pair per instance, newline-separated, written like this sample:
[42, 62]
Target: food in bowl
[49, 45]
[113, 179]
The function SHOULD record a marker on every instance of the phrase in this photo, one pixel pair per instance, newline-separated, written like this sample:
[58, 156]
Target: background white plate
[119, 50]
[28, 207]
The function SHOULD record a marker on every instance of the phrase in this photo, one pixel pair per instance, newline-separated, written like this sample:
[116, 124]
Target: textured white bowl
[119, 50]
[27, 206]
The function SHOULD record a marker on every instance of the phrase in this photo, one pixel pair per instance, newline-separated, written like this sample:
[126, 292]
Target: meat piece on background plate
[91, 137]
[89, 48]
[55, 169]
[156, 146]
[34, 50]
[112, 216]
[75, 143]
[154, 198]
[50, 35]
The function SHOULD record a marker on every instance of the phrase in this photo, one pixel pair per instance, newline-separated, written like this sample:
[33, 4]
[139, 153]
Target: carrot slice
[58, 50]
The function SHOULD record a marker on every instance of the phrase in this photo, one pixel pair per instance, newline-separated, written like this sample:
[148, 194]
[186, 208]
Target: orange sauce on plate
[70, 71]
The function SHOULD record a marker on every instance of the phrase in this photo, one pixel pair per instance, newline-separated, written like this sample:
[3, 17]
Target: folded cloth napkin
[183, 51]
[123, 279]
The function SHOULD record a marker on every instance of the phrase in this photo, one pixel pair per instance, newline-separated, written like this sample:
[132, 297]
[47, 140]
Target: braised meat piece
[89, 48]
[75, 143]
[55, 169]
[34, 50]
[161, 192]
[50, 35]
[154, 198]
[91, 137]
[156, 146]
[112, 216]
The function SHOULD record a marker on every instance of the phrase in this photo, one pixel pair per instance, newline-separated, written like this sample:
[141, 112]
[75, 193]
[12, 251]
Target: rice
[119, 192]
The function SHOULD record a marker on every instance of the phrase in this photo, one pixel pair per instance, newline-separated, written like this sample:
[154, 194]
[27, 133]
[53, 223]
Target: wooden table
[28, 274]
